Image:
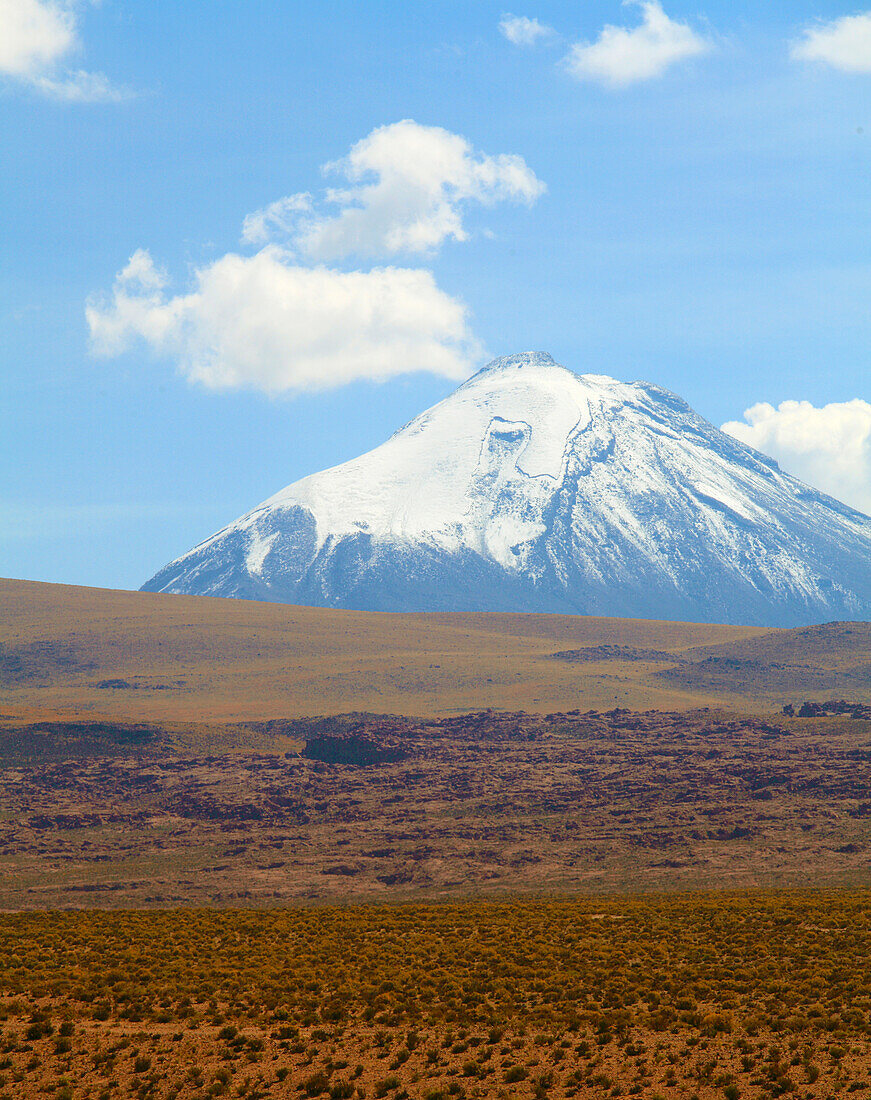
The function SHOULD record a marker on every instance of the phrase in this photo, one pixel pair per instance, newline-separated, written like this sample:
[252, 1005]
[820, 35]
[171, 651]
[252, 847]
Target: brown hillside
[149, 657]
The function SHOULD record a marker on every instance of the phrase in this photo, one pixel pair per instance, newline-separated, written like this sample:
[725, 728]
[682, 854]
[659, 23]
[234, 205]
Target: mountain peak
[540, 369]
[537, 489]
[521, 360]
[528, 362]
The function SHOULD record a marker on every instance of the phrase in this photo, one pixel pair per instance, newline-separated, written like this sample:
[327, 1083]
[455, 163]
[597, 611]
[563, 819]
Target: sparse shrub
[316, 1085]
[543, 1082]
[388, 1084]
[715, 1023]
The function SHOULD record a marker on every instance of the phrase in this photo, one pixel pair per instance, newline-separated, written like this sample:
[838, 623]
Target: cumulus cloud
[409, 185]
[35, 38]
[522, 31]
[623, 56]
[844, 44]
[263, 322]
[280, 320]
[828, 447]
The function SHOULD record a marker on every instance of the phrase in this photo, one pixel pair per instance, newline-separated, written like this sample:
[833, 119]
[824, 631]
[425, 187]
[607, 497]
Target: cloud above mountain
[843, 44]
[622, 55]
[262, 322]
[36, 40]
[408, 188]
[281, 321]
[828, 447]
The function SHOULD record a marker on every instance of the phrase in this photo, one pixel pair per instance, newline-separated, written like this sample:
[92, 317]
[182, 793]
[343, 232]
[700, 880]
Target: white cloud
[828, 447]
[82, 87]
[263, 322]
[35, 38]
[281, 321]
[522, 31]
[279, 218]
[844, 44]
[409, 186]
[622, 56]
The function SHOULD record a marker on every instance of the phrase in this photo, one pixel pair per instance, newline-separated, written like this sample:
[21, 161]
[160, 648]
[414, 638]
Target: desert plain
[258, 850]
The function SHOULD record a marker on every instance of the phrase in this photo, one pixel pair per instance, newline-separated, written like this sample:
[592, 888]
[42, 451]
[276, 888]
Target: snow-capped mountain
[532, 488]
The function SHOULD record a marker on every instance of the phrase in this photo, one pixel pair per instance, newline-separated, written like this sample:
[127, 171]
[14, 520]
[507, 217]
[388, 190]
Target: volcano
[532, 488]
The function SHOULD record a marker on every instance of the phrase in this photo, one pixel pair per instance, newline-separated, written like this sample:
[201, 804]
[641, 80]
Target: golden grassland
[146, 657]
[702, 995]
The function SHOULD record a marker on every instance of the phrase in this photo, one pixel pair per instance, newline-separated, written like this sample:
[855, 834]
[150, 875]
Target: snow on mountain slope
[533, 488]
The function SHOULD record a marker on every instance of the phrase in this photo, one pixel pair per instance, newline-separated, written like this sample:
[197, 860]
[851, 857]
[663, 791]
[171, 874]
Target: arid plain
[162, 750]
[573, 856]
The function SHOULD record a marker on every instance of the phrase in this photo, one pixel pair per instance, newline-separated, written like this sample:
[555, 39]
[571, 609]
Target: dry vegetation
[161, 751]
[686, 996]
[141, 657]
[67, 652]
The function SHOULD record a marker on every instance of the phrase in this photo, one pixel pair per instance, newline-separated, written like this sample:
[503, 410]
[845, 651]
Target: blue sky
[705, 226]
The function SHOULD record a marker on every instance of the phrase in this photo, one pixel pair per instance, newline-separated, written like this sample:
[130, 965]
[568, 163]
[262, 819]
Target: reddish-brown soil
[489, 803]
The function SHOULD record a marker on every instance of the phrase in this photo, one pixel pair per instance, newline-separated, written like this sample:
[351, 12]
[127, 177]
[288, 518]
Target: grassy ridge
[143, 657]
